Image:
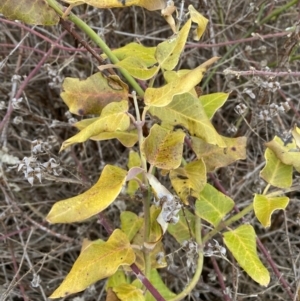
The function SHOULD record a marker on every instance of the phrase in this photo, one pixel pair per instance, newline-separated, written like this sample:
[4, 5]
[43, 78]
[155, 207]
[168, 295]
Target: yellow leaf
[275, 172]
[264, 207]
[137, 68]
[91, 95]
[296, 135]
[168, 52]
[91, 202]
[189, 180]
[288, 153]
[215, 157]
[128, 292]
[127, 138]
[143, 53]
[242, 244]
[212, 205]
[148, 4]
[200, 20]
[96, 262]
[163, 148]
[186, 110]
[212, 102]
[113, 118]
[160, 97]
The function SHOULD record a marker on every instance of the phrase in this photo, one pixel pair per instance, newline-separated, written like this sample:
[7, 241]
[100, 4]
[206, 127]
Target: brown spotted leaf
[34, 12]
[91, 95]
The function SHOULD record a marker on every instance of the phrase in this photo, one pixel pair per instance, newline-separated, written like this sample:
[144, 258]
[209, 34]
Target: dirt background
[248, 36]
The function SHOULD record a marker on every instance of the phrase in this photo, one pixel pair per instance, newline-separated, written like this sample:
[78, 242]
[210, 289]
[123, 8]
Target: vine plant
[184, 121]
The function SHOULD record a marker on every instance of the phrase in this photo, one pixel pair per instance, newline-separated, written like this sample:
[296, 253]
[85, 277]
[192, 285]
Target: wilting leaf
[288, 153]
[130, 223]
[242, 244]
[212, 102]
[189, 180]
[95, 262]
[215, 157]
[296, 135]
[200, 20]
[91, 202]
[163, 148]
[212, 205]
[113, 120]
[33, 12]
[91, 95]
[148, 4]
[264, 207]
[160, 97]
[186, 110]
[275, 172]
[168, 52]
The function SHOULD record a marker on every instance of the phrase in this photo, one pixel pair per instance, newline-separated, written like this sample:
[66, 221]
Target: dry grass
[31, 248]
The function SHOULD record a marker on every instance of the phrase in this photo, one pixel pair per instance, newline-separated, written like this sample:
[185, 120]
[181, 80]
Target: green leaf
[137, 68]
[242, 244]
[215, 157]
[181, 230]
[287, 154]
[212, 102]
[116, 279]
[113, 118]
[160, 97]
[130, 224]
[189, 180]
[264, 207]
[275, 172]
[128, 292]
[213, 205]
[186, 110]
[33, 12]
[157, 282]
[168, 52]
[133, 161]
[91, 202]
[145, 54]
[163, 148]
[91, 95]
[95, 262]
[200, 20]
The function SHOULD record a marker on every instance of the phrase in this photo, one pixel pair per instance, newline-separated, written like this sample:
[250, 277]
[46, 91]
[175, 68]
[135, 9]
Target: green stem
[227, 223]
[97, 40]
[146, 193]
[198, 271]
